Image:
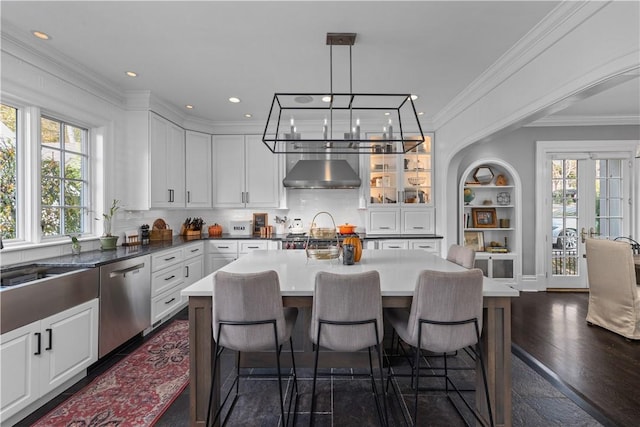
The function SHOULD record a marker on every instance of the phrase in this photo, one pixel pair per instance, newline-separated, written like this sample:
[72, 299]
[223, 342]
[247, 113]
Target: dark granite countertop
[98, 258]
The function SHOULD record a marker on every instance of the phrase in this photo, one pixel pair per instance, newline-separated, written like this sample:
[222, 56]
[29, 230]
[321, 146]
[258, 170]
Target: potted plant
[75, 245]
[107, 240]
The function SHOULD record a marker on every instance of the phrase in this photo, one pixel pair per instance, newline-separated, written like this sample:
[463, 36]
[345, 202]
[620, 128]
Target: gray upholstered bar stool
[347, 316]
[248, 316]
[466, 257]
[452, 254]
[445, 316]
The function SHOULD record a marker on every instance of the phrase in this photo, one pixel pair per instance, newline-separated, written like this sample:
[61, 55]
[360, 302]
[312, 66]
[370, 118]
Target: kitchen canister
[347, 254]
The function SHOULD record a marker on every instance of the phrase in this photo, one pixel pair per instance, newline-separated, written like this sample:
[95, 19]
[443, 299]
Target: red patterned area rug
[134, 392]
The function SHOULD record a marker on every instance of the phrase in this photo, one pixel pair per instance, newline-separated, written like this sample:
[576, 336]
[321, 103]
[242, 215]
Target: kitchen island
[398, 270]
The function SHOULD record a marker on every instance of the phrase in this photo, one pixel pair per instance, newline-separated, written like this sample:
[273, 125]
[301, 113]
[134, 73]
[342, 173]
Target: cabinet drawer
[164, 304]
[394, 244]
[166, 258]
[223, 247]
[246, 247]
[426, 245]
[165, 279]
[193, 250]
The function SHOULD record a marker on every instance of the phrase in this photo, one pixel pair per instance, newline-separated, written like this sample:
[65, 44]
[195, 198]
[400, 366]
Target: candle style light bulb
[358, 128]
[293, 130]
[324, 129]
[390, 129]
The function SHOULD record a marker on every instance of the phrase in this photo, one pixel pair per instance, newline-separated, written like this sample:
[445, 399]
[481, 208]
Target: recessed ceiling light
[414, 97]
[248, 116]
[326, 99]
[189, 107]
[131, 73]
[387, 113]
[303, 99]
[41, 35]
[234, 99]
[421, 113]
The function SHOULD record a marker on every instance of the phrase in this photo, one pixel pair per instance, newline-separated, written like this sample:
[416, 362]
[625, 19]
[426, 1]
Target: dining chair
[248, 316]
[614, 295]
[466, 257]
[452, 253]
[445, 316]
[347, 316]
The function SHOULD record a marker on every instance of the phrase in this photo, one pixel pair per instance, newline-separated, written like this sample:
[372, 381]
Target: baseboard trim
[564, 388]
[582, 290]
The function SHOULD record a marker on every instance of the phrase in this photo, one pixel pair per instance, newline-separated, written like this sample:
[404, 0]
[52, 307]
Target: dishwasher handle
[124, 271]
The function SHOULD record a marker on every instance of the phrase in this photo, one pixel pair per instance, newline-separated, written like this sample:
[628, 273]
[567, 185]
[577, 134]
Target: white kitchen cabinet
[429, 245]
[198, 173]
[173, 270]
[246, 173]
[167, 163]
[223, 252]
[39, 357]
[393, 220]
[393, 244]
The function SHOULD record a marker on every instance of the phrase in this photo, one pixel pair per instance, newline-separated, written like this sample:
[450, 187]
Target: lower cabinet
[223, 252]
[429, 245]
[497, 266]
[37, 358]
[172, 271]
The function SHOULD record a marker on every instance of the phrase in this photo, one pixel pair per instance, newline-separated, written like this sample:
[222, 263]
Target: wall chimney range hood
[325, 173]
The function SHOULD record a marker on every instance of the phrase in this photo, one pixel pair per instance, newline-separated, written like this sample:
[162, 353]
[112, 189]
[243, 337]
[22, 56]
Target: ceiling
[201, 53]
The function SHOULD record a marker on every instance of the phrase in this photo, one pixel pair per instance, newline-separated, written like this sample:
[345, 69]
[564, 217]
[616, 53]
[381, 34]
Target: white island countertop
[398, 270]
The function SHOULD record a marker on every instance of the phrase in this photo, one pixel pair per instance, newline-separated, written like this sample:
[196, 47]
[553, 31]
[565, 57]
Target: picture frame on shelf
[474, 240]
[484, 217]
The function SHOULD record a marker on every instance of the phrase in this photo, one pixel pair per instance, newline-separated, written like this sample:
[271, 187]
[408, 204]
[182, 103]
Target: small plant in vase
[75, 245]
[107, 240]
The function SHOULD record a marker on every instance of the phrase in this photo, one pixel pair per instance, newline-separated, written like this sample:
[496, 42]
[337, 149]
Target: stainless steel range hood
[323, 173]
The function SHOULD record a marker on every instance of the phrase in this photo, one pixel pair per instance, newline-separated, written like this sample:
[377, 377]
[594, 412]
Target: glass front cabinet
[398, 188]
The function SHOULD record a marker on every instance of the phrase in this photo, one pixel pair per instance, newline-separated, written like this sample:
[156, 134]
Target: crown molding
[586, 121]
[557, 24]
[60, 67]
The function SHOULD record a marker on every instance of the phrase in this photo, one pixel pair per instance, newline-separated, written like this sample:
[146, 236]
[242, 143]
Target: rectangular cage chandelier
[336, 122]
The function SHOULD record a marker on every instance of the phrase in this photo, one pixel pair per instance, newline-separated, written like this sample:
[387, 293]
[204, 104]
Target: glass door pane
[564, 217]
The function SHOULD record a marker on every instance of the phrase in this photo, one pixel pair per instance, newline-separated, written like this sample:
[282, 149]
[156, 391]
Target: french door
[586, 194]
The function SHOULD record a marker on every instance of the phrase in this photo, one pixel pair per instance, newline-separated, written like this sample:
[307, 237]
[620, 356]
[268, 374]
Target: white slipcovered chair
[614, 296]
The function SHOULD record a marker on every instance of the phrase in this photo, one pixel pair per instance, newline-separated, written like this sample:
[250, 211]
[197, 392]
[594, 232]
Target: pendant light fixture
[336, 122]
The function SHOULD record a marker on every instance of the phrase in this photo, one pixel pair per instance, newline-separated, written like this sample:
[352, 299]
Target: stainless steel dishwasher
[125, 302]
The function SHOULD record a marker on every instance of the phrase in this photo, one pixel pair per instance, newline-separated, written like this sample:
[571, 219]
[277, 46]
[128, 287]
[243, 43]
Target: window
[8, 172]
[63, 177]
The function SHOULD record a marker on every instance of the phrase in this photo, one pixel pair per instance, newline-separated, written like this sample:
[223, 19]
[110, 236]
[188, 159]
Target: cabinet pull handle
[170, 301]
[38, 348]
[195, 250]
[223, 247]
[170, 258]
[253, 247]
[418, 228]
[243, 197]
[170, 277]
[384, 228]
[188, 196]
[394, 247]
[124, 271]
[247, 193]
[50, 333]
[187, 271]
[169, 190]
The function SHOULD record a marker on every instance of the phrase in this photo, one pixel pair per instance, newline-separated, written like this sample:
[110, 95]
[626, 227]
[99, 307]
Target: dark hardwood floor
[589, 363]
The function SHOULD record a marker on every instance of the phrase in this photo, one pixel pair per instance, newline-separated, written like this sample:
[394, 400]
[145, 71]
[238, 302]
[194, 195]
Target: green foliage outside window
[8, 172]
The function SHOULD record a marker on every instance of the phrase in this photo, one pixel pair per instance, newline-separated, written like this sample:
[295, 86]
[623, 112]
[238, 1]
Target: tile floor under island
[347, 401]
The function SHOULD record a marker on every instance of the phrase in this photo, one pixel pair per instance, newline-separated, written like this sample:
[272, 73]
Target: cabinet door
[262, 177]
[158, 161]
[70, 344]
[384, 221]
[19, 368]
[426, 245]
[198, 169]
[418, 221]
[252, 245]
[193, 270]
[228, 170]
[216, 262]
[175, 165]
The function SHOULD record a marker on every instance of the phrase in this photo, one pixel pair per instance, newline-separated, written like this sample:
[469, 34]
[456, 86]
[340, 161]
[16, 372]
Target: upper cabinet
[153, 161]
[246, 173]
[166, 154]
[198, 169]
[398, 189]
[400, 180]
